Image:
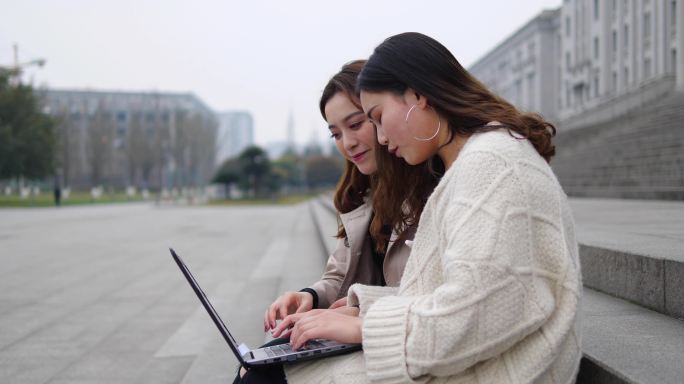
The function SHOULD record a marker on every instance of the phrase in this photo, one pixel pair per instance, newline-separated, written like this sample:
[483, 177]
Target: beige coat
[352, 260]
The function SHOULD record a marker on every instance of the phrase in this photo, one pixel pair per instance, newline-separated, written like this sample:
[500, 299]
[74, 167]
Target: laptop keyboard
[284, 349]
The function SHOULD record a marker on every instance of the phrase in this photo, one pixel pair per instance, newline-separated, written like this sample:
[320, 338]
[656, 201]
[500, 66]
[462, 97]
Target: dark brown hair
[404, 188]
[413, 60]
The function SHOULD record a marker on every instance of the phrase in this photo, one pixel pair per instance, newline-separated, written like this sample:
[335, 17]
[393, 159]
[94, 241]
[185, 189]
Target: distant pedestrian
[58, 194]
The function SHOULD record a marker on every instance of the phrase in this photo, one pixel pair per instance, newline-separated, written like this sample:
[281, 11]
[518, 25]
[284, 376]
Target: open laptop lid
[237, 349]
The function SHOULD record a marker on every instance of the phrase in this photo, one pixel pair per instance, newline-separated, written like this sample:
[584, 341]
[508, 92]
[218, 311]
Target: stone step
[633, 250]
[626, 343]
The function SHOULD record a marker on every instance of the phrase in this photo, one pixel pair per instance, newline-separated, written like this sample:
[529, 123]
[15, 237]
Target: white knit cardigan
[491, 290]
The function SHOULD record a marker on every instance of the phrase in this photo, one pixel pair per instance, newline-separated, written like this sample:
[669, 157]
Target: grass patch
[281, 200]
[75, 198]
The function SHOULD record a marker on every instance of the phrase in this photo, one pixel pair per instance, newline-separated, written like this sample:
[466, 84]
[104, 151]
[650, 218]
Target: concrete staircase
[632, 256]
[638, 155]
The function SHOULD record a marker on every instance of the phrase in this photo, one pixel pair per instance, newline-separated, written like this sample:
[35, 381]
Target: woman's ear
[412, 97]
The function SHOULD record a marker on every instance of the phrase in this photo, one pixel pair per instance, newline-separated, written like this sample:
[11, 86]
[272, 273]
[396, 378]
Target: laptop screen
[207, 305]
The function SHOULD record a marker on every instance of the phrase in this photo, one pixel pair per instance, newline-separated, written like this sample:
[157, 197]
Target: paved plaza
[91, 294]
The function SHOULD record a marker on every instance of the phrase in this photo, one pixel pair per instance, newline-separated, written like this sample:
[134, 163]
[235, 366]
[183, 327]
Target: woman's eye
[356, 125]
[335, 136]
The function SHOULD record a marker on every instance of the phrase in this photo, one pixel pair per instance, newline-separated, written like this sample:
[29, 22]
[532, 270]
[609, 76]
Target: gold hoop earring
[439, 124]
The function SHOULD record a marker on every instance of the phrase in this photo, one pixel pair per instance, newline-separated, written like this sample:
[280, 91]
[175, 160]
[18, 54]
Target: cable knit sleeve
[364, 296]
[489, 260]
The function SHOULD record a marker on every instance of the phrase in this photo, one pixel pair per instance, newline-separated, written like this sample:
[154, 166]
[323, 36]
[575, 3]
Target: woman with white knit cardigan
[492, 286]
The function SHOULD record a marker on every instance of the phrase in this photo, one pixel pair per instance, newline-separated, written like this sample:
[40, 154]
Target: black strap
[314, 294]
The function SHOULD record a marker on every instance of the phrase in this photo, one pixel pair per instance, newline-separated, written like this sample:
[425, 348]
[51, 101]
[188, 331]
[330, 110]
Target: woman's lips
[359, 156]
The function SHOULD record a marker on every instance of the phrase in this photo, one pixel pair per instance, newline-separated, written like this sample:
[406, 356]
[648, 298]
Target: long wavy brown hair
[404, 188]
[413, 60]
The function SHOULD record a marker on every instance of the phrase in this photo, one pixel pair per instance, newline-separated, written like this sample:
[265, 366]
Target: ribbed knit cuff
[365, 295]
[384, 340]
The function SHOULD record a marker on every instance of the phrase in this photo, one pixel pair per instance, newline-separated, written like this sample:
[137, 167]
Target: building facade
[618, 55]
[524, 68]
[123, 139]
[236, 132]
[590, 61]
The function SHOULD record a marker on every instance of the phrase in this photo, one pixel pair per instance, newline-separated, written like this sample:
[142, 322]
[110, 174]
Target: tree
[228, 173]
[27, 136]
[289, 169]
[256, 169]
[251, 170]
[65, 141]
[322, 171]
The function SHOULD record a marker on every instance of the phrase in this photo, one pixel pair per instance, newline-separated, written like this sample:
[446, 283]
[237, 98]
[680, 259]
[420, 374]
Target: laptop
[276, 354]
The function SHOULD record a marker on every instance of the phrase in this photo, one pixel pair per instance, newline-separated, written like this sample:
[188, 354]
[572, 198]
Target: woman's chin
[366, 169]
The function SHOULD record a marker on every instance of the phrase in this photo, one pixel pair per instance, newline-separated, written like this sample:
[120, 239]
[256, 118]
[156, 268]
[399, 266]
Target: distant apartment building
[618, 55]
[141, 139]
[524, 68]
[235, 133]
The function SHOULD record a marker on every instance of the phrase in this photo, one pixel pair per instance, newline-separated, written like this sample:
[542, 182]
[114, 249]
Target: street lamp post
[14, 70]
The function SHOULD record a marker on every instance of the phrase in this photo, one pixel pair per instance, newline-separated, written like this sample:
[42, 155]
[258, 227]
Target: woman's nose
[382, 139]
[349, 141]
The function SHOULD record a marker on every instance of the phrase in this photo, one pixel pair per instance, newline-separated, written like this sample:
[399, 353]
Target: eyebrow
[349, 116]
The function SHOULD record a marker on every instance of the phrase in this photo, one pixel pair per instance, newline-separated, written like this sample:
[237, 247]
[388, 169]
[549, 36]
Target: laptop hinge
[243, 349]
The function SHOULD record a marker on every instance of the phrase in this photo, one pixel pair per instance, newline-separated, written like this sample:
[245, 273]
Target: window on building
[614, 9]
[596, 85]
[567, 60]
[647, 29]
[673, 13]
[625, 80]
[625, 38]
[531, 97]
[674, 61]
[614, 34]
[530, 49]
[647, 68]
[121, 117]
[121, 132]
[596, 9]
[615, 81]
[596, 47]
[625, 6]
[567, 26]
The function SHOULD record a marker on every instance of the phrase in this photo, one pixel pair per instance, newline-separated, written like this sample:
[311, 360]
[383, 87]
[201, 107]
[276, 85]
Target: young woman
[372, 247]
[368, 250]
[492, 286]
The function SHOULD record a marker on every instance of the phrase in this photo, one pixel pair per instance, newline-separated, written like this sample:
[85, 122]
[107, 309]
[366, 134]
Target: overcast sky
[268, 57]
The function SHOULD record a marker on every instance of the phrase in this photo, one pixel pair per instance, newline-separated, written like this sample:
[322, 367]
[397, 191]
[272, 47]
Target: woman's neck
[449, 152]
